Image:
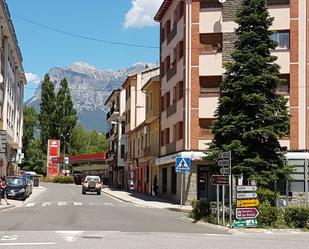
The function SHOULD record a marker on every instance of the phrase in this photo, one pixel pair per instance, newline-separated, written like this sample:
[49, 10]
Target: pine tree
[47, 112]
[30, 123]
[251, 117]
[66, 115]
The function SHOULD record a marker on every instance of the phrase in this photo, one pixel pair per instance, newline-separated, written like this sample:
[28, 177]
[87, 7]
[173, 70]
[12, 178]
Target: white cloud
[32, 77]
[142, 13]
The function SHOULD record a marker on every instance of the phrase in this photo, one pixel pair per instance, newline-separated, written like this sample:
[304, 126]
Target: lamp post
[64, 143]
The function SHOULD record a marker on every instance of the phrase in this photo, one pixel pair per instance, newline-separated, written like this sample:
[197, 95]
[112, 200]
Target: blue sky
[128, 21]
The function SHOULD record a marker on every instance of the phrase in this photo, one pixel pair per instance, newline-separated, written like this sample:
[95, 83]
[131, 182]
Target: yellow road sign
[248, 203]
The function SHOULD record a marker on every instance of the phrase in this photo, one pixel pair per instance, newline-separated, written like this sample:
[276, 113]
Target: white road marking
[78, 203]
[69, 236]
[9, 237]
[28, 244]
[62, 203]
[31, 204]
[108, 204]
[46, 204]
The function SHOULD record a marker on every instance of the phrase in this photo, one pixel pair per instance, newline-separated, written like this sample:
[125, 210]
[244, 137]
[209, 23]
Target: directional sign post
[246, 213]
[183, 165]
[245, 223]
[219, 180]
[224, 163]
[244, 188]
[247, 203]
[246, 195]
[224, 171]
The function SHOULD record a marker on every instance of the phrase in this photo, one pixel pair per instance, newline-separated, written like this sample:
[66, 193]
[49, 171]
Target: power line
[83, 36]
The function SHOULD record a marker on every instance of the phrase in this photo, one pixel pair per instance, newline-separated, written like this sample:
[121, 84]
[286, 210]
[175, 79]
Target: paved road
[61, 217]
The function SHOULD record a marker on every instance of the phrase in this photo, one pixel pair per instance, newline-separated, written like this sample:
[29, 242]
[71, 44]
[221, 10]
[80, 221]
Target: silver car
[92, 184]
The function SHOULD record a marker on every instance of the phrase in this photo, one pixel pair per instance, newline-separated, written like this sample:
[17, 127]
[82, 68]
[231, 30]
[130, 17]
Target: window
[162, 138]
[167, 63]
[162, 104]
[122, 151]
[180, 130]
[174, 180]
[282, 38]
[180, 48]
[168, 99]
[167, 136]
[174, 94]
[180, 90]
[181, 9]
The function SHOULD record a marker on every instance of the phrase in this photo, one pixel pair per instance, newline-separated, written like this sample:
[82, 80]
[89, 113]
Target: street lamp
[64, 142]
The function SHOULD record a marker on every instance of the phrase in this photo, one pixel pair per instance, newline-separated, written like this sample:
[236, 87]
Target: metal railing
[171, 148]
[278, 2]
[171, 110]
[172, 34]
[210, 5]
[172, 71]
[211, 91]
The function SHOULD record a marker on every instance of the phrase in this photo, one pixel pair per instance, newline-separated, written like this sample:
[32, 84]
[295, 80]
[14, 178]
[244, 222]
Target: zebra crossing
[66, 203]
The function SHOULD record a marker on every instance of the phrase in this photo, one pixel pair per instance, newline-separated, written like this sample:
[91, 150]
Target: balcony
[283, 90]
[150, 151]
[171, 148]
[208, 106]
[211, 64]
[172, 34]
[171, 110]
[172, 71]
[113, 113]
[278, 3]
[205, 134]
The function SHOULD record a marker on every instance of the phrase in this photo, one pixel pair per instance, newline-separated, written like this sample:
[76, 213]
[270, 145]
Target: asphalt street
[61, 217]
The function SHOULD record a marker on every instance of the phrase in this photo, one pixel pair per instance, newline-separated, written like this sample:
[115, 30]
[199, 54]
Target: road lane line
[108, 204]
[46, 204]
[62, 203]
[69, 236]
[31, 204]
[78, 203]
[29, 244]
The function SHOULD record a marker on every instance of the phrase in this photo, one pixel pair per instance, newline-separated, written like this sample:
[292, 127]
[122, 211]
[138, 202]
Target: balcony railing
[210, 49]
[278, 2]
[171, 110]
[172, 71]
[171, 148]
[283, 89]
[206, 133]
[208, 5]
[210, 91]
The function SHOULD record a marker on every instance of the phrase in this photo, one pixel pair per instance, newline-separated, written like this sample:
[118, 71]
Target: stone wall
[229, 9]
[228, 41]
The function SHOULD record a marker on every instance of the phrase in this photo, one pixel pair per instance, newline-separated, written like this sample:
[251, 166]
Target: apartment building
[137, 169]
[196, 39]
[116, 137]
[12, 81]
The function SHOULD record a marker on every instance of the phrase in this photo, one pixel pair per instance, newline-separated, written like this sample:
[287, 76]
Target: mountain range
[89, 88]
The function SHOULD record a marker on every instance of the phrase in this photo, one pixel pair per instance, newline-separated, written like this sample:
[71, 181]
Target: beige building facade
[196, 39]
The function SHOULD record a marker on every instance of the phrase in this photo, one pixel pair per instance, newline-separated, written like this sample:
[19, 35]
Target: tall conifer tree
[66, 115]
[251, 117]
[47, 112]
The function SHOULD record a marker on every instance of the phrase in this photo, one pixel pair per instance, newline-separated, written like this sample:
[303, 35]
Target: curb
[168, 208]
[206, 224]
[6, 207]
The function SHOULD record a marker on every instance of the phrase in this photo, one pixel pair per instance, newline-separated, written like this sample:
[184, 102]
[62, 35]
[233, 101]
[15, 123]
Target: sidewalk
[145, 200]
[36, 191]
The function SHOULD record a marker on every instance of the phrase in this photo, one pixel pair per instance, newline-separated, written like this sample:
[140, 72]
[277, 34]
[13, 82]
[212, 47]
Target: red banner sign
[219, 179]
[53, 152]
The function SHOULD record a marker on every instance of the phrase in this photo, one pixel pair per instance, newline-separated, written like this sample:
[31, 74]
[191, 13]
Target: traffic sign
[246, 195]
[224, 155]
[183, 164]
[246, 188]
[224, 171]
[66, 160]
[246, 213]
[247, 203]
[245, 223]
[219, 180]
[224, 162]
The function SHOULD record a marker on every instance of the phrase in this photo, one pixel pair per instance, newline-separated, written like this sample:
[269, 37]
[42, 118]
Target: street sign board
[247, 203]
[224, 155]
[219, 180]
[66, 160]
[224, 163]
[246, 188]
[246, 213]
[183, 164]
[224, 171]
[245, 223]
[246, 195]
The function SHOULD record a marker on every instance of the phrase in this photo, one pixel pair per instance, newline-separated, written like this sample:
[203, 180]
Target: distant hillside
[90, 87]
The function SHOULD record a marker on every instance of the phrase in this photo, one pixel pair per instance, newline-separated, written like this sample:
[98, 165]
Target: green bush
[297, 217]
[63, 179]
[268, 215]
[266, 195]
[200, 209]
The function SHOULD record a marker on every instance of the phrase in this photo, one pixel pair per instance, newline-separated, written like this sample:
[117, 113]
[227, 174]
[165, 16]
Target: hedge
[63, 179]
[297, 217]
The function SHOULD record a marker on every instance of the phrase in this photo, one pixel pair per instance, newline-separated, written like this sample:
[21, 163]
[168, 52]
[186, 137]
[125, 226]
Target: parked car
[92, 184]
[18, 187]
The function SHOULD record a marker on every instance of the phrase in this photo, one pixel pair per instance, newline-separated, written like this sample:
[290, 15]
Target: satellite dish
[222, 1]
[1, 78]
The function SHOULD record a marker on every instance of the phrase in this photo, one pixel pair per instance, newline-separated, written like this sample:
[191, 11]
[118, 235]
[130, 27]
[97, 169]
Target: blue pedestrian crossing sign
[183, 164]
